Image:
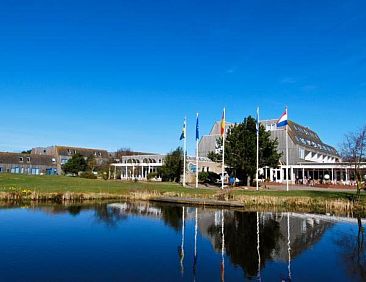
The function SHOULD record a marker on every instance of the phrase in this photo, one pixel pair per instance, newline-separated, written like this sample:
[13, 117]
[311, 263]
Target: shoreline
[222, 200]
[61, 189]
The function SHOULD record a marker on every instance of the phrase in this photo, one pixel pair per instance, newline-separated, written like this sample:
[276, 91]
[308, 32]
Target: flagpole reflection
[222, 247]
[289, 247]
[195, 246]
[258, 250]
[181, 249]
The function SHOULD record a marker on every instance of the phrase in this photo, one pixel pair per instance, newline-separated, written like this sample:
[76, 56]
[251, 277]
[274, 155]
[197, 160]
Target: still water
[144, 241]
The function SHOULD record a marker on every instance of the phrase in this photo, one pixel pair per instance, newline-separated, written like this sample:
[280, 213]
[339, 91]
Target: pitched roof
[68, 151]
[18, 158]
[306, 137]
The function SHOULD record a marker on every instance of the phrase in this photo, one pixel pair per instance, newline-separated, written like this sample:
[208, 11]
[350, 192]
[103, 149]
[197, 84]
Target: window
[301, 153]
[28, 160]
[21, 159]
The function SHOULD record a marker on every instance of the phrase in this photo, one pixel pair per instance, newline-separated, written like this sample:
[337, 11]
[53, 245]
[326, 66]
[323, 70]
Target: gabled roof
[216, 128]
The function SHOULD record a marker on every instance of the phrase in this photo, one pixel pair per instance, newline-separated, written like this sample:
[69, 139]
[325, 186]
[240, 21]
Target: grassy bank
[60, 188]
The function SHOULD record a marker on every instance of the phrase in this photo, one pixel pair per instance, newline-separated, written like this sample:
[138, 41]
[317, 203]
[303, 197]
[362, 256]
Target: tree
[215, 157]
[353, 151]
[91, 162]
[240, 149]
[173, 166]
[75, 164]
[26, 152]
[123, 152]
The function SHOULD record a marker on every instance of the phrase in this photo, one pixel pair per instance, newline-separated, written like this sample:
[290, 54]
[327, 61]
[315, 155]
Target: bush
[152, 175]
[88, 175]
[208, 177]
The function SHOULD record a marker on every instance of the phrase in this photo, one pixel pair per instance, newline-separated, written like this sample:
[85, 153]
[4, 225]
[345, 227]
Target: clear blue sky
[113, 74]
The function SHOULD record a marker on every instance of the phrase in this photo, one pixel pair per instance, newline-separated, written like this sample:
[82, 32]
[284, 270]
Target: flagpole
[197, 137]
[223, 152]
[257, 148]
[184, 151]
[287, 165]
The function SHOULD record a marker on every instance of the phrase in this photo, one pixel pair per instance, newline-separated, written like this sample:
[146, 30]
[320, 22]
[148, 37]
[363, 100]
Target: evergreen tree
[75, 164]
[241, 146]
[173, 166]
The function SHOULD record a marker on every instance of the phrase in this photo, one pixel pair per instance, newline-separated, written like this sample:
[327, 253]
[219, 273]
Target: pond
[145, 241]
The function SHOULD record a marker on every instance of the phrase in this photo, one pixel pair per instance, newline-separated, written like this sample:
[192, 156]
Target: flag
[197, 129]
[183, 135]
[223, 123]
[282, 121]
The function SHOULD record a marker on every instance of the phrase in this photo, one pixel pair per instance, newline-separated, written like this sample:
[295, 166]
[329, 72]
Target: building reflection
[248, 240]
[253, 239]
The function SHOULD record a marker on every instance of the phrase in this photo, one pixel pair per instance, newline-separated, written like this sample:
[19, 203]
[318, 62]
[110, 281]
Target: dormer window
[21, 159]
[28, 159]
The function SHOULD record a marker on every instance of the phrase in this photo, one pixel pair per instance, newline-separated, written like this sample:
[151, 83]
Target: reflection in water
[258, 250]
[181, 248]
[195, 244]
[353, 252]
[222, 247]
[289, 246]
[250, 240]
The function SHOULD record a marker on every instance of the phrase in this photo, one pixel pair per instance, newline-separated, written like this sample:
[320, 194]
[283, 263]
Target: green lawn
[62, 184]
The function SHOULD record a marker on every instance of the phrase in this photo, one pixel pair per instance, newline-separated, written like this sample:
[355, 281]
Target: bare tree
[353, 150]
[123, 152]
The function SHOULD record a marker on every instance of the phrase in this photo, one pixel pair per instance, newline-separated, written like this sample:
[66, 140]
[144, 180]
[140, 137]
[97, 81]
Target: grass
[61, 188]
[63, 184]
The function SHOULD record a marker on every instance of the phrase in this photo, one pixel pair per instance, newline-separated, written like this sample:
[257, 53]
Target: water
[157, 242]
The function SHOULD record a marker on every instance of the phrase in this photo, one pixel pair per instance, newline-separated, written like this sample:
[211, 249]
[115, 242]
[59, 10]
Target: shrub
[208, 177]
[152, 175]
[88, 175]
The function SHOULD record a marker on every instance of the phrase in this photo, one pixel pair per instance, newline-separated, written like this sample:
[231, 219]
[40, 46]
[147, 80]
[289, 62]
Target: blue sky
[113, 74]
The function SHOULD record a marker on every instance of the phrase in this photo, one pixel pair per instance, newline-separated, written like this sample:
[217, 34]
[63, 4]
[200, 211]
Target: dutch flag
[282, 121]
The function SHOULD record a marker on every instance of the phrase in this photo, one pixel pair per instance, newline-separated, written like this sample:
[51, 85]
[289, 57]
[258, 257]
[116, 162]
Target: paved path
[308, 188]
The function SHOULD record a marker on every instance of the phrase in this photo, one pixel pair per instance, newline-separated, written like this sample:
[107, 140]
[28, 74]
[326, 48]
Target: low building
[139, 166]
[63, 153]
[27, 164]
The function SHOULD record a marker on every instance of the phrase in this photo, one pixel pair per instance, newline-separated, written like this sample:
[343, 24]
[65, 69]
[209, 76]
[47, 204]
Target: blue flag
[183, 135]
[197, 129]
